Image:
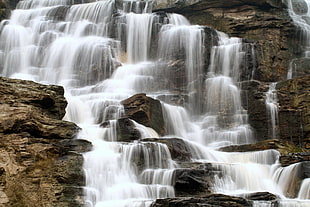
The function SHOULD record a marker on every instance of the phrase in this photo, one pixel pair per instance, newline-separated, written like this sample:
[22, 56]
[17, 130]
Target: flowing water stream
[299, 11]
[103, 52]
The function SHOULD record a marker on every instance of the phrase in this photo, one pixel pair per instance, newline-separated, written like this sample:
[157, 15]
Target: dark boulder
[261, 196]
[146, 111]
[49, 99]
[126, 130]
[253, 100]
[293, 158]
[178, 149]
[300, 7]
[283, 147]
[193, 182]
[210, 200]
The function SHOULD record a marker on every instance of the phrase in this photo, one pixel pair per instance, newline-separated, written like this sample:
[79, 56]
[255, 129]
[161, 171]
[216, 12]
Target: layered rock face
[293, 109]
[294, 112]
[40, 162]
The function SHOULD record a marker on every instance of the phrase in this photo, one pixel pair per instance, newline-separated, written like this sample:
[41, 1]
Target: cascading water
[299, 11]
[272, 108]
[103, 52]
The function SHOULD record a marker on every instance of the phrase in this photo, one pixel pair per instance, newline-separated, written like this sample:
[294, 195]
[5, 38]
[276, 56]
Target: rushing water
[272, 108]
[299, 11]
[103, 52]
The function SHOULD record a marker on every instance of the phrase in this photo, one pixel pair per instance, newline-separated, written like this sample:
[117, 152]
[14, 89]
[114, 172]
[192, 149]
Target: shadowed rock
[40, 163]
[178, 149]
[282, 146]
[210, 200]
[146, 111]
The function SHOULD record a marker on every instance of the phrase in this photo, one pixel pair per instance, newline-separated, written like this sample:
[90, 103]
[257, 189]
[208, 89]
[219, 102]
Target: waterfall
[272, 108]
[299, 11]
[304, 192]
[225, 118]
[103, 52]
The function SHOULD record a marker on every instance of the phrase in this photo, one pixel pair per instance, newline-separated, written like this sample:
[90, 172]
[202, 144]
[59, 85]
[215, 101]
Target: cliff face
[40, 162]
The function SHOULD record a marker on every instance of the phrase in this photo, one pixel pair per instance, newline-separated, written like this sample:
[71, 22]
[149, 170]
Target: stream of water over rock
[103, 52]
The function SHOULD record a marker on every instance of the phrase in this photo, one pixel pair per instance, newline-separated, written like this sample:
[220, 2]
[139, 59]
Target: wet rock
[283, 147]
[253, 100]
[49, 99]
[193, 182]
[58, 13]
[294, 111]
[300, 67]
[305, 170]
[300, 7]
[24, 118]
[210, 200]
[146, 111]
[261, 196]
[126, 130]
[293, 158]
[174, 99]
[178, 148]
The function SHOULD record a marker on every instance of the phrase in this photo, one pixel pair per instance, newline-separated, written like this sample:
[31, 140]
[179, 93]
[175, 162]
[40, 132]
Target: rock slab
[40, 162]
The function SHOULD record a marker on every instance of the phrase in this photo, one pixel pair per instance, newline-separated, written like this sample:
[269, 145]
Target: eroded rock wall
[40, 161]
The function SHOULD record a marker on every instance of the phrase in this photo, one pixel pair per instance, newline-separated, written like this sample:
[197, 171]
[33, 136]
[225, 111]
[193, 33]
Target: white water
[299, 11]
[304, 192]
[272, 108]
[100, 67]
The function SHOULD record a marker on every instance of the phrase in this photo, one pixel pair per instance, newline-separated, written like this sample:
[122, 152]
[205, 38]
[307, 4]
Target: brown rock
[49, 99]
[178, 149]
[146, 111]
[294, 111]
[253, 100]
[195, 181]
[283, 147]
[210, 200]
[293, 158]
[261, 196]
[40, 163]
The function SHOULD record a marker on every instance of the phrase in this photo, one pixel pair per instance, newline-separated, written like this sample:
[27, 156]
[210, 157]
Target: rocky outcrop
[294, 111]
[210, 200]
[40, 162]
[126, 130]
[35, 109]
[146, 111]
[178, 148]
[253, 100]
[194, 181]
[218, 200]
[283, 147]
[293, 158]
[261, 196]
